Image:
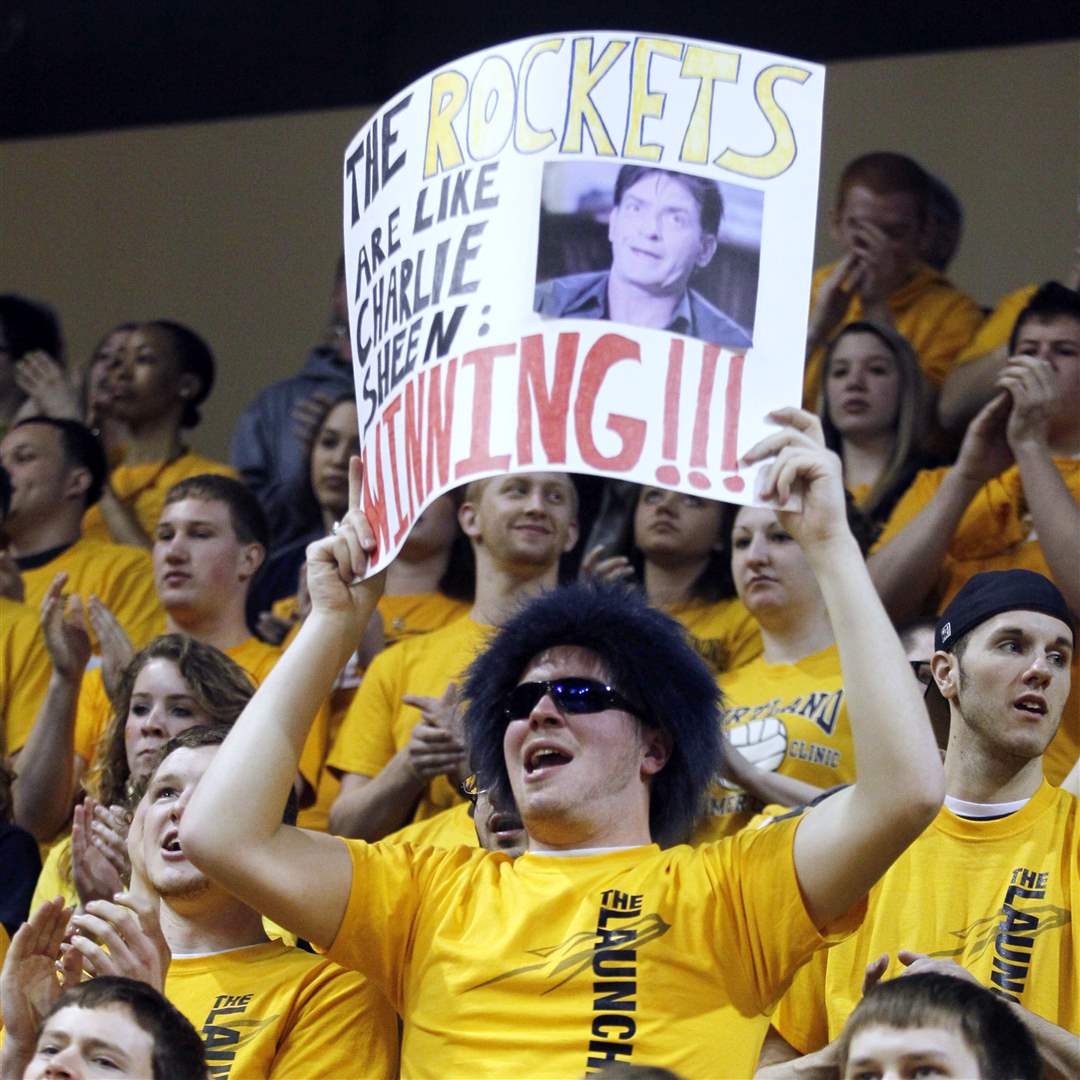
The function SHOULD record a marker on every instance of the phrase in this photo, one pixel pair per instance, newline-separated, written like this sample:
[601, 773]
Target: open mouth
[543, 759]
[504, 824]
[1031, 704]
[170, 845]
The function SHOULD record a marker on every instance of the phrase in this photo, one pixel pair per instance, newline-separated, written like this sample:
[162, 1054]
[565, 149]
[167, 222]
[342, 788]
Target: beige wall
[234, 226]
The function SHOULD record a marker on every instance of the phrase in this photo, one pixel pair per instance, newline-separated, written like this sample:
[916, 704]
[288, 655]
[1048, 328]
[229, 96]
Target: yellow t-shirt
[724, 633]
[25, 669]
[998, 327]
[408, 616]
[995, 533]
[552, 966]
[446, 829]
[403, 617]
[997, 896]
[270, 1011]
[936, 317]
[787, 718]
[144, 487]
[378, 724]
[122, 577]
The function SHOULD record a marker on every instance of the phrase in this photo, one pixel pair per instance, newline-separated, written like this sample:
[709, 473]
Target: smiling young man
[662, 228]
[400, 751]
[989, 891]
[591, 708]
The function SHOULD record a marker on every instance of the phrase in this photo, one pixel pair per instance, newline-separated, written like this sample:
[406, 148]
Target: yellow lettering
[448, 91]
[644, 103]
[709, 67]
[527, 140]
[580, 110]
[491, 109]
[782, 152]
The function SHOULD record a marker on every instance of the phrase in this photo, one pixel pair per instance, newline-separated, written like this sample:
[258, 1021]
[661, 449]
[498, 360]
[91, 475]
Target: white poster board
[536, 280]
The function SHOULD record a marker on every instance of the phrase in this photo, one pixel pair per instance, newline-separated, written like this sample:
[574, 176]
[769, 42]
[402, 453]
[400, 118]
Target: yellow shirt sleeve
[998, 327]
[93, 711]
[25, 669]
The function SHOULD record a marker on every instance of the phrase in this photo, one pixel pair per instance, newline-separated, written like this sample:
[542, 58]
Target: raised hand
[116, 648]
[99, 859]
[804, 468]
[121, 937]
[29, 983]
[63, 625]
[833, 298]
[336, 564]
[984, 452]
[605, 567]
[1031, 384]
[306, 416]
[41, 378]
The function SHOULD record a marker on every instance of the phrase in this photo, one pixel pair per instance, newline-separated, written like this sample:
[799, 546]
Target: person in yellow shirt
[57, 469]
[973, 379]
[785, 716]
[263, 1008]
[158, 380]
[990, 890]
[880, 221]
[1013, 497]
[593, 712]
[172, 684]
[399, 751]
[24, 673]
[678, 551]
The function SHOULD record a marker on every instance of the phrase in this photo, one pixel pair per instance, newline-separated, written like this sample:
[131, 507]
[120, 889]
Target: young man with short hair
[595, 945]
[1012, 499]
[57, 470]
[880, 220]
[397, 765]
[264, 1008]
[988, 892]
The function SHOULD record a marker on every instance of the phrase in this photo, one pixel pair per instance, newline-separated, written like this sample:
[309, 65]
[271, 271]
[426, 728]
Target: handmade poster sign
[587, 252]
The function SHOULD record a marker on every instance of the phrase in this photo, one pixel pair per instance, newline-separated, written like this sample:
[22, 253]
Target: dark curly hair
[645, 653]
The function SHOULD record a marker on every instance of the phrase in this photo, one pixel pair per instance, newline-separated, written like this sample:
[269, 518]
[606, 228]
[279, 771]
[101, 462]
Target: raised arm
[46, 775]
[844, 844]
[906, 568]
[1031, 384]
[232, 827]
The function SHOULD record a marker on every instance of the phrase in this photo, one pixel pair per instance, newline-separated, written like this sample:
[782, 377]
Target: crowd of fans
[629, 780]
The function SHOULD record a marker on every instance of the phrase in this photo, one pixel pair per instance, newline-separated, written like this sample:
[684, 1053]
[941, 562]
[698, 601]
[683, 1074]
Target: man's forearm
[238, 803]
[906, 569]
[14, 1057]
[969, 387]
[44, 788]
[121, 521]
[381, 806]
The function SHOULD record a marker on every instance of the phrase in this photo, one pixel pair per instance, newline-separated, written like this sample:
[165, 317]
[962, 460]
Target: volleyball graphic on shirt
[762, 742]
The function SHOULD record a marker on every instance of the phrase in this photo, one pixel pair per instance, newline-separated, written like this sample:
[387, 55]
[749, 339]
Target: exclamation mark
[729, 460]
[669, 474]
[699, 444]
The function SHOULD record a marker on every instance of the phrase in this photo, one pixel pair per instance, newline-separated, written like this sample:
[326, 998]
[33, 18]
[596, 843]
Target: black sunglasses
[573, 695]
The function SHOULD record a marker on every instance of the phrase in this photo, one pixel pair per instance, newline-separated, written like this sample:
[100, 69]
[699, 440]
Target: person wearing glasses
[601, 943]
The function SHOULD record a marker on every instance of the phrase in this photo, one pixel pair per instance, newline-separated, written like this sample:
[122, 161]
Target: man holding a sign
[552, 964]
[663, 227]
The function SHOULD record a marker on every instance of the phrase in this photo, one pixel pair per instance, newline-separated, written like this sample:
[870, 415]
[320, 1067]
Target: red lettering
[414, 441]
[389, 413]
[440, 422]
[375, 506]
[729, 458]
[480, 458]
[552, 406]
[608, 351]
